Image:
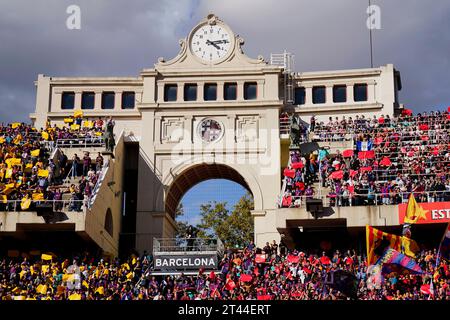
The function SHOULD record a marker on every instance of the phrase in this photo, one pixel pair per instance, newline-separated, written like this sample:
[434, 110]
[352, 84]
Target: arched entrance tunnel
[196, 174]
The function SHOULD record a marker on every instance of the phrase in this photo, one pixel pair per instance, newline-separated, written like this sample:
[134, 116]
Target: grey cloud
[122, 37]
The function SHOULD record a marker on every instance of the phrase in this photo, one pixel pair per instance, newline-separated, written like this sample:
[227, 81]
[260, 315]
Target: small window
[210, 92]
[190, 92]
[128, 100]
[340, 93]
[87, 100]
[68, 100]
[230, 91]
[300, 95]
[319, 95]
[360, 92]
[108, 99]
[250, 90]
[170, 92]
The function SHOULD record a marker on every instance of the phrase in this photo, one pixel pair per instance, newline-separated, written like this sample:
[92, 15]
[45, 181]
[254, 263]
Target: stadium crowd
[33, 170]
[391, 157]
[270, 273]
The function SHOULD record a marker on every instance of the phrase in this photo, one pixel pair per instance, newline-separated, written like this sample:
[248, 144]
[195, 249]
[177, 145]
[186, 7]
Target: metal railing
[373, 199]
[161, 245]
[81, 142]
[57, 205]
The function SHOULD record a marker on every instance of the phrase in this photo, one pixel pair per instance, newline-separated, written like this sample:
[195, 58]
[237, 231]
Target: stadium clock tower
[211, 112]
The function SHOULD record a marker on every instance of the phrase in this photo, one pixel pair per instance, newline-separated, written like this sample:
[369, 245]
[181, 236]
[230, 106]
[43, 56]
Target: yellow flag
[88, 124]
[100, 290]
[78, 114]
[133, 262]
[8, 173]
[414, 211]
[85, 284]
[68, 277]
[98, 134]
[42, 289]
[25, 203]
[125, 265]
[45, 268]
[15, 125]
[75, 296]
[22, 273]
[35, 153]
[45, 256]
[75, 127]
[68, 120]
[3, 198]
[409, 247]
[17, 139]
[44, 135]
[42, 173]
[130, 275]
[2, 140]
[38, 196]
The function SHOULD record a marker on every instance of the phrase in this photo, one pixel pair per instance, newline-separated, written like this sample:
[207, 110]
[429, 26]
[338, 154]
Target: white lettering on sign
[439, 214]
[184, 262]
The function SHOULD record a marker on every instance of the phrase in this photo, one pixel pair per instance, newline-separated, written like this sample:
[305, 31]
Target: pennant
[260, 258]
[375, 239]
[42, 289]
[78, 114]
[100, 290]
[392, 258]
[25, 203]
[46, 257]
[245, 278]
[75, 296]
[37, 196]
[363, 155]
[297, 165]
[414, 211]
[35, 153]
[337, 175]
[347, 153]
[42, 173]
[289, 173]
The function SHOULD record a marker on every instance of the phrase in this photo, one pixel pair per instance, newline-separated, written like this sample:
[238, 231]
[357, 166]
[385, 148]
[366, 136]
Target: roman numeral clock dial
[210, 43]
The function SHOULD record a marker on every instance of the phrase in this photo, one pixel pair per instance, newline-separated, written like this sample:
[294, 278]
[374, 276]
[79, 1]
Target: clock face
[211, 42]
[210, 130]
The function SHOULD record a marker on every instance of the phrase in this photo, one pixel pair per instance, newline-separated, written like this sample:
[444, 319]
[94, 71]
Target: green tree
[181, 225]
[233, 228]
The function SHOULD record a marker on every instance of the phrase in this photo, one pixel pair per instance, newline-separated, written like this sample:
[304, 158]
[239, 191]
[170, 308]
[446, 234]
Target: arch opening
[109, 222]
[195, 175]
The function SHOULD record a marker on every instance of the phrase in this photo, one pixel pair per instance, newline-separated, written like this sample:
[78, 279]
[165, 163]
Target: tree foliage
[234, 228]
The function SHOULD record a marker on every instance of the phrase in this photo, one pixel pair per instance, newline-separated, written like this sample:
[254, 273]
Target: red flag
[425, 289]
[230, 285]
[365, 169]
[265, 297]
[289, 173]
[293, 259]
[297, 165]
[337, 174]
[353, 173]
[366, 154]
[423, 127]
[386, 162]
[287, 201]
[378, 141]
[347, 153]
[260, 258]
[407, 112]
[245, 278]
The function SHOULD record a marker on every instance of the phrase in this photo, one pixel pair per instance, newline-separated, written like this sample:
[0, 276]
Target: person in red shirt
[324, 259]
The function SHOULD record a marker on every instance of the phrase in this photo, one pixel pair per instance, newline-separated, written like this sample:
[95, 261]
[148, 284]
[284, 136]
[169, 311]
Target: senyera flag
[444, 248]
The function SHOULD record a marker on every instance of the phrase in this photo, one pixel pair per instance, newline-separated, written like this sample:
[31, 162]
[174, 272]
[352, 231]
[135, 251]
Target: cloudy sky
[120, 37]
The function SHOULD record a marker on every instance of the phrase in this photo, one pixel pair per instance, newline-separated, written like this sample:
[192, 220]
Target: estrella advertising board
[435, 212]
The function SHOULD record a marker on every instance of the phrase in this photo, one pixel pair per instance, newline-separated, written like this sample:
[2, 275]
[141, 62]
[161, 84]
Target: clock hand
[213, 43]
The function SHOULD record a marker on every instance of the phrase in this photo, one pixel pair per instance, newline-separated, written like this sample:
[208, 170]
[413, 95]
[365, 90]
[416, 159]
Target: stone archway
[196, 173]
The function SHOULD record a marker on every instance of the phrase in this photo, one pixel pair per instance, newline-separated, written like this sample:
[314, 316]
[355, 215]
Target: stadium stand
[390, 158]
